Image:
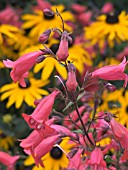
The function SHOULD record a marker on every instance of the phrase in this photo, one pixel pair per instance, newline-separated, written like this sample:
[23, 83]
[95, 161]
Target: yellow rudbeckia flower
[38, 22]
[108, 28]
[119, 98]
[55, 159]
[17, 94]
[9, 31]
[5, 141]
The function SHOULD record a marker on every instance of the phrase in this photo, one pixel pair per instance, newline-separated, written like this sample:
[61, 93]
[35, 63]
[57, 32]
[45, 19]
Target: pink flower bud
[111, 87]
[71, 83]
[78, 8]
[108, 7]
[62, 52]
[125, 51]
[40, 59]
[44, 36]
[48, 12]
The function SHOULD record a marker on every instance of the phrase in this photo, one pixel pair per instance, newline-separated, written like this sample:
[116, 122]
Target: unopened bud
[72, 152]
[48, 12]
[111, 87]
[62, 52]
[56, 119]
[71, 83]
[70, 40]
[44, 36]
[46, 51]
[107, 118]
[107, 8]
[40, 59]
[71, 67]
[36, 102]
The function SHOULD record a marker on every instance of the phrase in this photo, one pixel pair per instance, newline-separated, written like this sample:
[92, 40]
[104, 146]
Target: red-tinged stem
[61, 19]
[82, 123]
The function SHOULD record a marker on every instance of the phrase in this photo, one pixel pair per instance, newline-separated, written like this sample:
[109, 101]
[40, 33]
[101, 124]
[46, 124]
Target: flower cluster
[79, 120]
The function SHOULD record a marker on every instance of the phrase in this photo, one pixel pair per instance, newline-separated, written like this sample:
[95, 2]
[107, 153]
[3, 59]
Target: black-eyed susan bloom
[38, 22]
[5, 141]
[17, 94]
[119, 99]
[9, 31]
[109, 28]
[56, 159]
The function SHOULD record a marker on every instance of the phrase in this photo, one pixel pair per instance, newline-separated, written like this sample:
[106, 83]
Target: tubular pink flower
[96, 161]
[38, 135]
[85, 17]
[62, 52]
[71, 82]
[107, 8]
[42, 111]
[124, 157]
[78, 8]
[41, 5]
[8, 160]
[76, 160]
[44, 130]
[21, 66]
[31, 142]
[63, 130]
[120, 133]
[43, 148]
[112, 72]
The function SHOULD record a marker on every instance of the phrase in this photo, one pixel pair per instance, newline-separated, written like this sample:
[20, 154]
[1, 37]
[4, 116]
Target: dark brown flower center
[112, 18]
[56, 153]
[49, 17]
[126, 109]
[2, 135]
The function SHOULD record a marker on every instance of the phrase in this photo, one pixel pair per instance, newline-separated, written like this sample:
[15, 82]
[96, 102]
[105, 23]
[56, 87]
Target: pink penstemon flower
[107, 8]
[71, 82]
[41, 5]
[78, 8]
[112, 72]
[10, 16]
[43, 148]
[21, 66]
[62, 52]
[96, 161]
[29, 144]
[8, 160]
[75, 161]
[63, 130]
[120, 134]
[38, 135]
[42, 111]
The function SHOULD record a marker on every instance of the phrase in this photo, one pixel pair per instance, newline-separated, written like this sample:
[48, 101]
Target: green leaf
[78, 131]
[108, 159]
[80, 96]
[68, 105]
